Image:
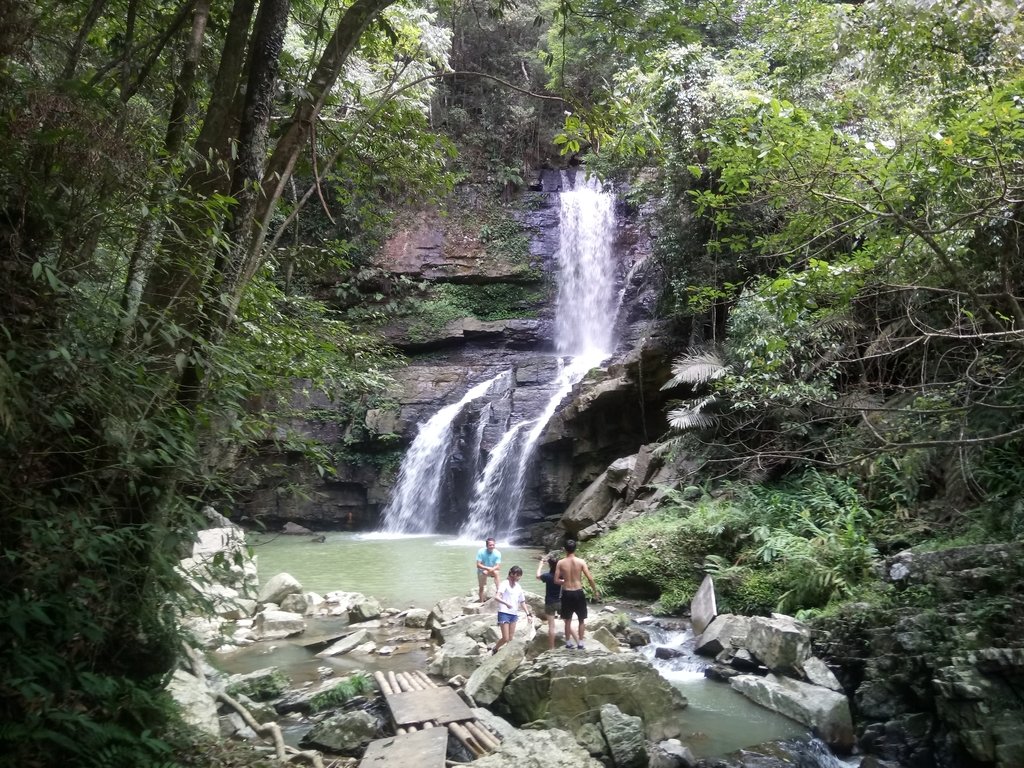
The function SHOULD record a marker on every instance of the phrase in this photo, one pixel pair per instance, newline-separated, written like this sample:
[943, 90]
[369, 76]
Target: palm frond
[692, 416]
[696, 367]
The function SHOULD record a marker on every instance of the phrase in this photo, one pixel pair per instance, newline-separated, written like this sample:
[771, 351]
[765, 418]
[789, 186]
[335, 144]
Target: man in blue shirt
[488, 562]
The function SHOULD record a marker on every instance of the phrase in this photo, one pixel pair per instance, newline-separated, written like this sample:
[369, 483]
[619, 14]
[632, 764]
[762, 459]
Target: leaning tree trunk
[172, 292]
[289, 147]
[253, 140]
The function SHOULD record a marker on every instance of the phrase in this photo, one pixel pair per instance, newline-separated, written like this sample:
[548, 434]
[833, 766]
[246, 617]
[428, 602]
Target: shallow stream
[417, 571]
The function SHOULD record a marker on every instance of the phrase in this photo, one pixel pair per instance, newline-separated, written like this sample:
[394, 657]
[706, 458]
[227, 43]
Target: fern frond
[696, 367]
[693, 416]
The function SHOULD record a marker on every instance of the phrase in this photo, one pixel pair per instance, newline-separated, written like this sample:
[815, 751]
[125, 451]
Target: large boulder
[417, 617]
[364, 610]
[221, 569]
[443, 633]
[487, 680]
[826, 711]
[703, 607]
[565, 690]
[532, 749]
[345, 645]
[446, 611]
[275, 625]
[590, 507]
[781, 643]
[193, 696]
[278, 588]
[347, 733]
[725, 632]
[461, 655]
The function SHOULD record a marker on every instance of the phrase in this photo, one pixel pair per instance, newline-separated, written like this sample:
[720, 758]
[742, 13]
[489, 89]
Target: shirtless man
[569, 573]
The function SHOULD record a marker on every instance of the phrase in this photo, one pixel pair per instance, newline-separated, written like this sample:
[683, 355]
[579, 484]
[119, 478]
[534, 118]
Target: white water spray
[414, 502]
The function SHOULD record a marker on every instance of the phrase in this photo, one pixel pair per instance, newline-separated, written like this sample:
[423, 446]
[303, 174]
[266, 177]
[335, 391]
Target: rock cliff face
[945, 685]
[609, 414]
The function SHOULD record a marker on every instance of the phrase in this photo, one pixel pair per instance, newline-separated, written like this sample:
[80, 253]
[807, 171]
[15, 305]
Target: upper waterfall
[587, 296]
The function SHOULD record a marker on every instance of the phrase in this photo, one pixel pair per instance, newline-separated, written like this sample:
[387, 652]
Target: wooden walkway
[424, 715]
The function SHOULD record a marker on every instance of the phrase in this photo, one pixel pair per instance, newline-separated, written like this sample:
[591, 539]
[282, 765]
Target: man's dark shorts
[574, 601]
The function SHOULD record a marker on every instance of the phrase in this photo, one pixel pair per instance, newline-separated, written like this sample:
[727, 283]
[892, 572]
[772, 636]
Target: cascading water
[414, 502]
[585, 319]
[587, 298]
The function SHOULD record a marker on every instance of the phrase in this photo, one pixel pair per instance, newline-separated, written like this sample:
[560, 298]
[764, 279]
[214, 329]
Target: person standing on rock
[552, 595]
[510, 599]
[569, 574]
[488, 560]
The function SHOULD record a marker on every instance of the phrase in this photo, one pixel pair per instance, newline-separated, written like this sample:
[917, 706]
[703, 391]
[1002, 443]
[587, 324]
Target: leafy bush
[796, 544]
[757, 592]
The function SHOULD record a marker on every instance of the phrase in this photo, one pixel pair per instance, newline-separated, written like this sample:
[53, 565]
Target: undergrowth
[789, 546]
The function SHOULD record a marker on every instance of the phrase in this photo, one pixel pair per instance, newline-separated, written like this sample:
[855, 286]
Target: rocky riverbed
[607, 705]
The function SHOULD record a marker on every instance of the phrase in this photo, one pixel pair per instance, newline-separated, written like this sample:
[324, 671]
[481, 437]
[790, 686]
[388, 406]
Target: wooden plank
[421, 749]
[441, 705]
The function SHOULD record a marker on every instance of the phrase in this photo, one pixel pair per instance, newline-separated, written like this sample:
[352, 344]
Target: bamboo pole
[464, 736]
[417, 683]
[426, 680]
[393, 682]
[482, 735]
[400, 684]
[382, 683]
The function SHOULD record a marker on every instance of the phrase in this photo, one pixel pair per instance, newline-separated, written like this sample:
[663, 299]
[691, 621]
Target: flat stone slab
[441, 705]
[419, 749]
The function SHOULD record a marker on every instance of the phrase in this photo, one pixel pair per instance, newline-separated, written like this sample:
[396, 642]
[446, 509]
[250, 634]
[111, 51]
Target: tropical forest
[713, 307]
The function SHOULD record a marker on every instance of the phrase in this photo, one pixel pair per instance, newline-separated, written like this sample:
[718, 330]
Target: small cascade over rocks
[584, 332]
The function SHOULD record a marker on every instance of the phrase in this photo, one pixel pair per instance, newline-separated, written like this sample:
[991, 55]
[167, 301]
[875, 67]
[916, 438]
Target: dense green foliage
[146, 334]
[840, 220]
[787, 546]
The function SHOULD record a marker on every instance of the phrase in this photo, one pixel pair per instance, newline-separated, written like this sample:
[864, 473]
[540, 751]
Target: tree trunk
[149, 230]
[91, 17]
[211, 173]
[254, 134]
[286, 153]
[173, 283]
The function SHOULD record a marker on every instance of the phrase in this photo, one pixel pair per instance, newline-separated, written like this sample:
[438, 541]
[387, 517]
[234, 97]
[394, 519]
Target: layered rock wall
[610, 414]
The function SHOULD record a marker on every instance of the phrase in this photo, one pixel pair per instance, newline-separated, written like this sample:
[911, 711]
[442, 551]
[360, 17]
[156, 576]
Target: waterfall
[587, 299]
[584, 329]
[414, 502]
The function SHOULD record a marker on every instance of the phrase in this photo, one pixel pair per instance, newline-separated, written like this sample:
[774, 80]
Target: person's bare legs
[507, 632]
[580, 632]
[551, 631]
[570, 635]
